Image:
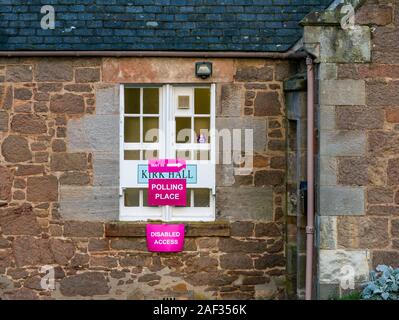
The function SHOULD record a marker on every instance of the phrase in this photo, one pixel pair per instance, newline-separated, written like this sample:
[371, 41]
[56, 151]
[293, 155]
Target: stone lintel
[193, 229]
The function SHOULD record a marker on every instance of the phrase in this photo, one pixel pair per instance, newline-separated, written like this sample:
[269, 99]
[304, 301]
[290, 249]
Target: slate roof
[178, 25]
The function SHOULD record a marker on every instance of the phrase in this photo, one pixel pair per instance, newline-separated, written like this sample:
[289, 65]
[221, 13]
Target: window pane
[150, 154]
[183, 154]
[132, 100]
[151, 100]
[132, 155]
[201, 127]
[150, 129]
[202, 101]
[183, 130]
[132, 197]
[132, 129]
[202, 155]
[201, 197]
[183, 102]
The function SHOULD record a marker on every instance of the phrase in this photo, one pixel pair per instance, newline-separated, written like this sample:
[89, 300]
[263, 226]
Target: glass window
[132, 100]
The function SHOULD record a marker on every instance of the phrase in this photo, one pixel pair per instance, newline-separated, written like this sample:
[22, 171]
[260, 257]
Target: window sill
[193, 229]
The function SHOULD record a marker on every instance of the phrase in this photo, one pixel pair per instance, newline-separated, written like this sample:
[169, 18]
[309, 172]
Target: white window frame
[167, 147]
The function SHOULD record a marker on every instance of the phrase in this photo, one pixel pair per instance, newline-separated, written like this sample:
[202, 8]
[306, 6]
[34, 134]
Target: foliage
[383, 284]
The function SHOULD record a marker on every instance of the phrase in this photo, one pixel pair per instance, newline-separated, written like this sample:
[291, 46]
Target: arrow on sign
[166, 165]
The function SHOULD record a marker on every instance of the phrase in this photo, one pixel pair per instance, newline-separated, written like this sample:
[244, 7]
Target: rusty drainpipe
[310, 178]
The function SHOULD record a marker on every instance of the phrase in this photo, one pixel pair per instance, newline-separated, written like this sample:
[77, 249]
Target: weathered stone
[207, 243]
[269, 229]
[372, 14]
[269, 177]
[89, 203]
[353, 171]
[332, 261]
[67, 103]
[390, 258]
[4, 121]
[58, 145]
[343, 92]
[106, 168]
[23, 107]
[19, 221]
[68, 162]
[362, 232]
[86, 284]
[258, 127]
[29, 170]
[83, 229]
[267, 104]
[22, 294]
[328, 232]
[236, 261]
[383, 143]
[128, 244]
[62, 250]
[383, 210]
[107, 100]
[22, 93]
[278, 163]
[54, 70]
[15, 149]
[358, 118]
[230, 245]
[393, 172]
[245, 202]
[98, 245]
[78, 87]
[252, 73]
[85, 75]
[17, 273]
[341, 200]
[42, 189]
[381, 93]
[135, 260]
[29, 251]
[379, 195]
[40, 107]
[49, 87]
[104, 261]
[242, 229]
[88, 134]
[28, 124]
[276, 145]
[75, 178]
[395, 228]
[342, 143]
[149, 277]
[6, 97]
[230, 100]
[80, 260]
[6, 180]
[270, 261]
[19, 73]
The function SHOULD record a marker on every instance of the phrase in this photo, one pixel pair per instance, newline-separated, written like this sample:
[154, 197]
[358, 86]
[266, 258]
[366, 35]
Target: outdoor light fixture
[203, 69]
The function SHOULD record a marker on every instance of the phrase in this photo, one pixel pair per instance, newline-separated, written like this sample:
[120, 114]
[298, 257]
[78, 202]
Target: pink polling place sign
[167, 192]
[165, 237]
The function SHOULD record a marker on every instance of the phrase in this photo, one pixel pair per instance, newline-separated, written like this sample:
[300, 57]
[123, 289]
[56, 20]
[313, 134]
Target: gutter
[310, 178]
[290, 54]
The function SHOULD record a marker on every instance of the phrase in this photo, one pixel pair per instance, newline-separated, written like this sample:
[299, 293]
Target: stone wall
[357, 121]
[59, 184]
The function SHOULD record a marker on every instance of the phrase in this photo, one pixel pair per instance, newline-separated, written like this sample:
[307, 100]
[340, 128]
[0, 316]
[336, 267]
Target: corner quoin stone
[337, 200]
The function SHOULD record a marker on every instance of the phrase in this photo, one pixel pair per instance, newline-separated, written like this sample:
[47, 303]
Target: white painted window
[168, 121]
